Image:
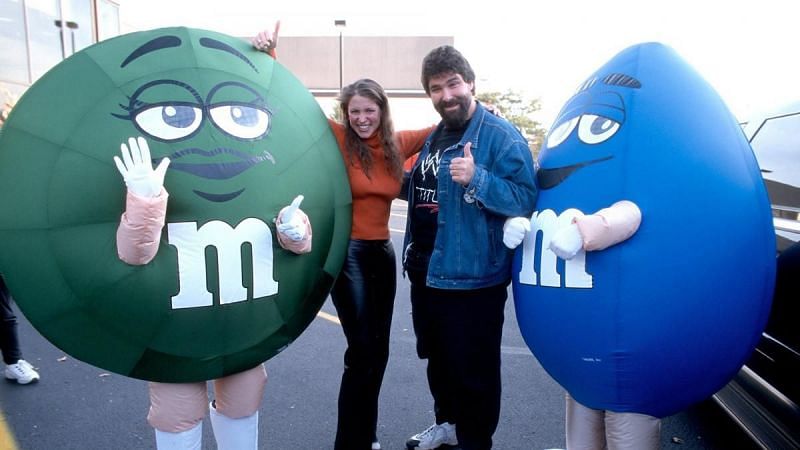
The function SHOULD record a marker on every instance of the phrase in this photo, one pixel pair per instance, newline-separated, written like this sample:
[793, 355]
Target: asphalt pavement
[78, 406]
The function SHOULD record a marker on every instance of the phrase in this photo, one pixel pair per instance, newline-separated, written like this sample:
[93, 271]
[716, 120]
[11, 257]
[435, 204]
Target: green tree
[7, 102]
[336, 114]
[520, 111]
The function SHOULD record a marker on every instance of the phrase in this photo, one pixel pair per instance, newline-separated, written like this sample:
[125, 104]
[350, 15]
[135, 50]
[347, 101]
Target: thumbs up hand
[291, 224]
[462, 169]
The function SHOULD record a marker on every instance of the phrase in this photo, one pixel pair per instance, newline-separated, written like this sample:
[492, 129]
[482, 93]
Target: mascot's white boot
[235, 434]
[190, 439]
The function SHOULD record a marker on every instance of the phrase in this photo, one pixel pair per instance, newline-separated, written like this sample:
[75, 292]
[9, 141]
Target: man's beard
[454, 119]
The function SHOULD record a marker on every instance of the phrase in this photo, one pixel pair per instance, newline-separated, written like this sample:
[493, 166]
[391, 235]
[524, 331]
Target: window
[77, 25]
[14, 57]
[777, 147]
[107, 20]
[35, 35]
[44, 35]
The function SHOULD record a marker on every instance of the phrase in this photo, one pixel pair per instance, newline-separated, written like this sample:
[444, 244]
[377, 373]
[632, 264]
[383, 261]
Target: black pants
[9, 343]
[364, 299]
[459, 332]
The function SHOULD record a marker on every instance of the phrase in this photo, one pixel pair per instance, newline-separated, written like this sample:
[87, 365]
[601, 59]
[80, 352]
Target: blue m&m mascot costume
[630, 286]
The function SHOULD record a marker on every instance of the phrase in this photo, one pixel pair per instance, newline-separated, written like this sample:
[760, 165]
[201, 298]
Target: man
[474, 171]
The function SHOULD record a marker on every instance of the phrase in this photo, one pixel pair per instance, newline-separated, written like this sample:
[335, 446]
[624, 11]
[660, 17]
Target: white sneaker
[376, 446]
[435, 436]
[21, 372]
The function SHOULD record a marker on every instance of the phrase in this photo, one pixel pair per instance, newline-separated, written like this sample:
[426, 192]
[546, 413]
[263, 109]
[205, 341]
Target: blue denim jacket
[468, 252]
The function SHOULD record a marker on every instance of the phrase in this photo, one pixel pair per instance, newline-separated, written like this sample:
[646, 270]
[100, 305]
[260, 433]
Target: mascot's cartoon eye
[241, 121]
[596, 129]
[169, 122]
[561, 132]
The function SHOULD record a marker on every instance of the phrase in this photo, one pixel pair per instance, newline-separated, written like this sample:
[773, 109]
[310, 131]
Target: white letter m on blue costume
[548, 223]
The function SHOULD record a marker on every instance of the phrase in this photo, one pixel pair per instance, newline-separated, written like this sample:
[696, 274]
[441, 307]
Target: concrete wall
[394, 62]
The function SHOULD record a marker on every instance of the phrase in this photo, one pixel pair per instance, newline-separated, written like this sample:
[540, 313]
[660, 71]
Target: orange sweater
[372, 198]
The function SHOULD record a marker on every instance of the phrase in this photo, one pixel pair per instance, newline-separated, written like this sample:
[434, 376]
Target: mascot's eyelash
[259, 101]
[131, 106]
[135, 105]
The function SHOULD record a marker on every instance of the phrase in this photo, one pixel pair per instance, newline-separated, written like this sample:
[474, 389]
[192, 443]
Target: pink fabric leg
[239, 395]
[177, 407]
[632, 431]
[585, 427]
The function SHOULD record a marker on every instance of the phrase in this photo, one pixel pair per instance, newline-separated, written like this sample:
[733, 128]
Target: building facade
[324, 63]
[35, 35]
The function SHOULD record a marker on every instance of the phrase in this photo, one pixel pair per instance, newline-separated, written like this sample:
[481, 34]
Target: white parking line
[329, 317]
[504, 349]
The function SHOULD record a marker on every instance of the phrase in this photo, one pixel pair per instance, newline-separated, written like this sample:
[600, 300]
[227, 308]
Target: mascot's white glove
[514, 231]
[567, 242]
[292, 225]
[137, 169]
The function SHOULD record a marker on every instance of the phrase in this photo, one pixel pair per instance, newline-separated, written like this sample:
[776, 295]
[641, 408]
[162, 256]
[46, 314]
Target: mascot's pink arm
[609, 226]
[139, 231]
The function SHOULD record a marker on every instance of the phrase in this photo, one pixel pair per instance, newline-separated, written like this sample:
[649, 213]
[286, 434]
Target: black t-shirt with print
[425, 204]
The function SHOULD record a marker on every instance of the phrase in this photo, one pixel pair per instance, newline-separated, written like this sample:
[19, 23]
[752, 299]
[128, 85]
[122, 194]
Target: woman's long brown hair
[356, 148]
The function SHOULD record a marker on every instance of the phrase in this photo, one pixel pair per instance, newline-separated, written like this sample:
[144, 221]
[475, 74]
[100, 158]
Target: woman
[364, 292]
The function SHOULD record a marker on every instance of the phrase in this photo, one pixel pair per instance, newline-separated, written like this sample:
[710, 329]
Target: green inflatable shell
[245, 138]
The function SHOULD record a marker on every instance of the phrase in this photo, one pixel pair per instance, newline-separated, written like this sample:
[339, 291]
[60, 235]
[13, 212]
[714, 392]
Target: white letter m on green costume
[191, 243]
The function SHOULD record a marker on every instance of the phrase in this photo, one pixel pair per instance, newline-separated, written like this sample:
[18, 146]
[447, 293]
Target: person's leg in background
[16, 369]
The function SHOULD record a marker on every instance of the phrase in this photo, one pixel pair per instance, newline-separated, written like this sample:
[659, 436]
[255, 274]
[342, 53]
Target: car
[764, 397]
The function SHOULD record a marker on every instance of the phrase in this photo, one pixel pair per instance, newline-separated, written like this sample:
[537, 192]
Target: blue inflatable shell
[667, 317]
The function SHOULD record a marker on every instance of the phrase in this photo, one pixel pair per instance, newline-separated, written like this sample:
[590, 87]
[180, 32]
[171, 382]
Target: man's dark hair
[445, 60]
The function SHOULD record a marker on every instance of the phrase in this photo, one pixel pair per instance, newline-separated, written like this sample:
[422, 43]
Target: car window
[777, 148]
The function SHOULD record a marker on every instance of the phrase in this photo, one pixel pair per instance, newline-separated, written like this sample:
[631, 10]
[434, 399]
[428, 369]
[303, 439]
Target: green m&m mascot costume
[194, 268]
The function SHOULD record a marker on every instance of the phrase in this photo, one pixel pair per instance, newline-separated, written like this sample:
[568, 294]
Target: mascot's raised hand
[137, 170]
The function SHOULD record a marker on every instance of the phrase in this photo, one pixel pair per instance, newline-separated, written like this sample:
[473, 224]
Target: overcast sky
[747, 50]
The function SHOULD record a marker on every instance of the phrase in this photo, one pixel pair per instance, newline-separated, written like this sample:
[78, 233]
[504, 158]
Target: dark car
[764, 398]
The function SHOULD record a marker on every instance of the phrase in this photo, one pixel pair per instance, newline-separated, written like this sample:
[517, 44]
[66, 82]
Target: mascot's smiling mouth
[217, 170]
[550, 178]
